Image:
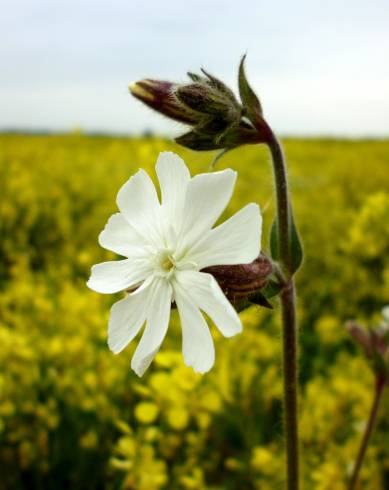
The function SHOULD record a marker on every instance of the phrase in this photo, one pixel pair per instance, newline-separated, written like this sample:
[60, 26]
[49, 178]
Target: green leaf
[296, 248]
[297, 253]
[249, 99]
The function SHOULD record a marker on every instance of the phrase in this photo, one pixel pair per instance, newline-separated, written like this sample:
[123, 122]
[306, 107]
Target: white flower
[166, 246]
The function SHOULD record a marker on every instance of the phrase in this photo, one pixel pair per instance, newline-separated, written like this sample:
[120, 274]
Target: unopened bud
[160, 96]
[217, 118]
[375, 344]
[361, 336]
[207, 100]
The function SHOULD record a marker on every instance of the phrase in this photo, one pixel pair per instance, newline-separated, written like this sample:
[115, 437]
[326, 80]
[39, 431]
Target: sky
[319, 67]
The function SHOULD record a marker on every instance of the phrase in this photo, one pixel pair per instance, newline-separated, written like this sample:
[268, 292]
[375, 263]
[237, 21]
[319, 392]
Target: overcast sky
[320, 67]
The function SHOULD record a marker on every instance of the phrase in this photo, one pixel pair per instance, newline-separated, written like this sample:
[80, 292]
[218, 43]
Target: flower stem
[379, 389]
[288, 306]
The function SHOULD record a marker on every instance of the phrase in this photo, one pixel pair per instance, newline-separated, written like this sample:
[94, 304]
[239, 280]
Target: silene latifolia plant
[177, 259]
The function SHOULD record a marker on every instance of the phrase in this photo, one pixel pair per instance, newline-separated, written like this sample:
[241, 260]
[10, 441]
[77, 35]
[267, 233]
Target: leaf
[296, 249]
[249, 99]
[297, 253]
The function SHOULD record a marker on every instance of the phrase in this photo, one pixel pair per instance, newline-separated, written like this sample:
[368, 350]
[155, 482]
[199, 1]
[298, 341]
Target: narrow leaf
[296, 247]
[296, 250]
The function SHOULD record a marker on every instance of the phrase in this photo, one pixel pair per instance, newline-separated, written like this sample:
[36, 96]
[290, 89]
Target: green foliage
[72, 415]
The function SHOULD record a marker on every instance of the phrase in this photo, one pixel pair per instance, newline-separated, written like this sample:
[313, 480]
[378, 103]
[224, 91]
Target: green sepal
[241, 305]
[297, 254]
[195, 77]
[271, 289]
[258, 298]
[249, 99]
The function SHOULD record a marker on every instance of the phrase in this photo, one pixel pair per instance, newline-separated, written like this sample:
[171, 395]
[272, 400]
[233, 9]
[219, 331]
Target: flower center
[167, 263]
[164, 262]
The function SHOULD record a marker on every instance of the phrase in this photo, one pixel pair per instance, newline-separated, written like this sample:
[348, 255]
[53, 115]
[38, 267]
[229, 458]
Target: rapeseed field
[73, 415]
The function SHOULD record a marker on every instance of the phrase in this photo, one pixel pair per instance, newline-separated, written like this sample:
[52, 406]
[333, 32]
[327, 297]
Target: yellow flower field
[73, 415]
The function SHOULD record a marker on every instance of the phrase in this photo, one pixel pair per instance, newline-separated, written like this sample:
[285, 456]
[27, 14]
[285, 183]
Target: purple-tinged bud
[375, 344]
[161, 96]
[241, 281]
[218, 120]
[361, 336]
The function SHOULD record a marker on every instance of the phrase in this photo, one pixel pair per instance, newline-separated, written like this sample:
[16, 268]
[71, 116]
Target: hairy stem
[379, 389]
[288, 306]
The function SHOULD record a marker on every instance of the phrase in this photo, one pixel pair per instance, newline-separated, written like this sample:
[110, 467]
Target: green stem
[288, 306]
[379, 389]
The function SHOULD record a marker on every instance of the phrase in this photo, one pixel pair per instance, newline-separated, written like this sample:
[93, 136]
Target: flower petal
[120, 237]
[173, 176]
[236, 241]
[197, 344]
[158, 314]
[138, 201]
[207, 295]
[127, 317]
[111, 277]
[206, 198]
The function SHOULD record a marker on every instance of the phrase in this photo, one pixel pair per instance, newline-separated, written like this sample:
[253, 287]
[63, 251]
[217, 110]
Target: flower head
[166, 245]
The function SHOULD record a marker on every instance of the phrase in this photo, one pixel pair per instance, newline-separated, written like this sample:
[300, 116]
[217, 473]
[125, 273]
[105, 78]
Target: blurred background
[72, 415]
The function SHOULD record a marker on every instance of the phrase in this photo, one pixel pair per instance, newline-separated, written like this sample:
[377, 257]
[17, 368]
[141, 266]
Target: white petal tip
[232, 333]
[92, 285]
[139, 369]
[114, 348]
[89, 284]
[202, 370]
[198, 369]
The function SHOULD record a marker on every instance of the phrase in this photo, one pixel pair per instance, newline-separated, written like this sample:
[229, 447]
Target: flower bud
[375, 344]
[217, 118]
[206, 99]
[160, 96]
